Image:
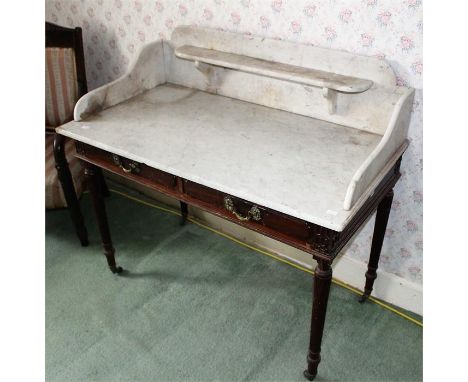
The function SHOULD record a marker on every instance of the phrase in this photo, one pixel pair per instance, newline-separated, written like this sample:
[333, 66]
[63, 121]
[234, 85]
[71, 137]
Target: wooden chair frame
[61, 37]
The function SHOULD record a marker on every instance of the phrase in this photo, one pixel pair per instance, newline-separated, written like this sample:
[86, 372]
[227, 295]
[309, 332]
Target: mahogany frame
[322, 243]
[57, 36]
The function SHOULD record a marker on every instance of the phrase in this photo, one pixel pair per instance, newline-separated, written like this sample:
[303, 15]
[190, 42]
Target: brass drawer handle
[254, 212]
[133, 167]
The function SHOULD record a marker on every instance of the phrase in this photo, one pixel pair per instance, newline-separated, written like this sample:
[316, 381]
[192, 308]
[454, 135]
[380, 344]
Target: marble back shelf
[301, 75]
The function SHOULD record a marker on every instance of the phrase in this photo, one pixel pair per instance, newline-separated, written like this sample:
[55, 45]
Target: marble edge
[375, 182]
[97, 99]
[394, 136]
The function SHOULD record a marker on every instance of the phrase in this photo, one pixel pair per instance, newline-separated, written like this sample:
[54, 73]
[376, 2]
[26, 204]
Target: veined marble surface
[291, 163]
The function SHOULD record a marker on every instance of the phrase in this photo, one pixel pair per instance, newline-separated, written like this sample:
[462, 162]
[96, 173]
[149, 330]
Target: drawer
[127, 167]
[274, 224]
[246, 213]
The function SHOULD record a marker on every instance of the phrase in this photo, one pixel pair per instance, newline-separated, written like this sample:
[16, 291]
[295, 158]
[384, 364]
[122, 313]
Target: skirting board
[387, 287]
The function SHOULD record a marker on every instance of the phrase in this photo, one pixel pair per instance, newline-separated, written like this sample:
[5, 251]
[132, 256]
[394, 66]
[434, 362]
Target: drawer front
[247, 213]
[274, 224]
[124, 166]
[203, 194]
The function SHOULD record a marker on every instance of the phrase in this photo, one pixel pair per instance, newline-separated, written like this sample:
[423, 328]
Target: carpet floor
[196, 306]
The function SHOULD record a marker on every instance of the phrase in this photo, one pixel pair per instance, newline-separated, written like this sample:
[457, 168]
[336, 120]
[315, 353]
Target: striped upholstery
[61, 85]
[53, 191]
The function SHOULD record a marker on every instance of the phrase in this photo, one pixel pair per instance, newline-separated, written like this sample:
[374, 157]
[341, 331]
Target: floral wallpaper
[389, 29]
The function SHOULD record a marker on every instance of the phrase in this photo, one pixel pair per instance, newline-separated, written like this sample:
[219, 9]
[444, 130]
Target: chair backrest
[65, 73]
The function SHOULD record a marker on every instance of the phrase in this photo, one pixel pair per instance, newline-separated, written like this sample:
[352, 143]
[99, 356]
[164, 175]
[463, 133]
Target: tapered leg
[91, 172]
[381, 220]
[322, 282]
[184, 212]
[66, 181]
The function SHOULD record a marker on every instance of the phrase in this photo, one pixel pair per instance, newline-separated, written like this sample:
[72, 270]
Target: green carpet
[196, 306]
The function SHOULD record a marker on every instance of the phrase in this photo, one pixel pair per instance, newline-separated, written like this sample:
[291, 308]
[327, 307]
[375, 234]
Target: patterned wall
[113, 30]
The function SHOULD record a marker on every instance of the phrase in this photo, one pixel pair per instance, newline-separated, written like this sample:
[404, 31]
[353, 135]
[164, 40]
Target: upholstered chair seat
[61, 95]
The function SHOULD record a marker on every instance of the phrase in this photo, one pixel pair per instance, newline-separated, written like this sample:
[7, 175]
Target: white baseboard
[387, 287]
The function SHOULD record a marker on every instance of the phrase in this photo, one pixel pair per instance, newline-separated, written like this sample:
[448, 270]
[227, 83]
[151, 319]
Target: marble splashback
[113, 30]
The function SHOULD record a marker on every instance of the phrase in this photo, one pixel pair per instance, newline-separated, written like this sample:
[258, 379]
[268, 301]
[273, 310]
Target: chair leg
[97, 197]
[102, 182]
[66, 181]
[381, 220]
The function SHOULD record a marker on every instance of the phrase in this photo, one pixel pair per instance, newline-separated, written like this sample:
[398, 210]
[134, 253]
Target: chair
[65, 84]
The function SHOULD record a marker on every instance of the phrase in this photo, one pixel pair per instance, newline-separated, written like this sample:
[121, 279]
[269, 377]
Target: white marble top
[299, 74]
[294, 164]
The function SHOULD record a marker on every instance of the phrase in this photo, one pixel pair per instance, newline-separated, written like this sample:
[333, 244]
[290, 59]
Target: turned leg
[184, 212]
[381, 219]
[91, 172]
[322, 282]
[66, 181]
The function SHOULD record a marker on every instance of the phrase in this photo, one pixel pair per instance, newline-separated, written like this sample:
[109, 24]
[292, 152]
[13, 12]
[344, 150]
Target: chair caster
[116, 269]
[309, 376]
